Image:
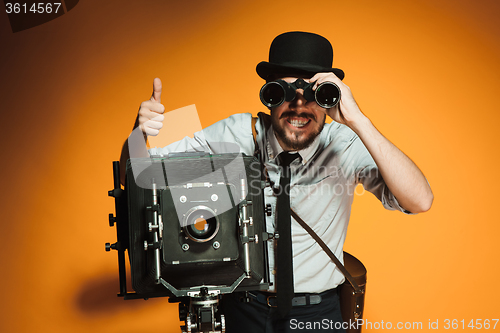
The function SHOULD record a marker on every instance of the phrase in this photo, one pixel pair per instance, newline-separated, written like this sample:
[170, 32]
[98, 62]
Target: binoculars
[275, 93]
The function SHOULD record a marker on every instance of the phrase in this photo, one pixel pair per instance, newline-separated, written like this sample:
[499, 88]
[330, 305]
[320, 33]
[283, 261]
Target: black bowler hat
[299, 52]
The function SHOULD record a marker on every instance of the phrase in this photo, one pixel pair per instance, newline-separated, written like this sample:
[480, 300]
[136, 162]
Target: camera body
[210, 224]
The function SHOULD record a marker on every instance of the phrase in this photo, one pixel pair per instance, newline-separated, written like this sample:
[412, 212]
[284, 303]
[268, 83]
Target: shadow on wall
[99, 297]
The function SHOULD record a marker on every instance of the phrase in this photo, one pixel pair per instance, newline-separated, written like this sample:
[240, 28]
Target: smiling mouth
[298, 123]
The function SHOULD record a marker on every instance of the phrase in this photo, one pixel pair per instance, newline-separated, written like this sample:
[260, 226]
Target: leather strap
[325, 248]
[254, 131]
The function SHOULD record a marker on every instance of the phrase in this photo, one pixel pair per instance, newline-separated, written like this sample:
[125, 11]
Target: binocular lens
[201, 224]
[327, 95]
[272, 94]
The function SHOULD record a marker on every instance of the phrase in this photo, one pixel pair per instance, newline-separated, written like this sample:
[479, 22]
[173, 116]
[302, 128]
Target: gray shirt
[321, 192]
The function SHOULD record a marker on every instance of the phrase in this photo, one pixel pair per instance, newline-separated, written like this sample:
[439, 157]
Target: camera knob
[110, 247]
[112, 220]
[268, 210]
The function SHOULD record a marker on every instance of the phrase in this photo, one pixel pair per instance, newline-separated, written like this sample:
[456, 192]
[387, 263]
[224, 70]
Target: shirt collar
[274, 148]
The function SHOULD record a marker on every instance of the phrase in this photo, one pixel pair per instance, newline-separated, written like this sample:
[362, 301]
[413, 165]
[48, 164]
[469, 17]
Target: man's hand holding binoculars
[346, 111]
[150, 116]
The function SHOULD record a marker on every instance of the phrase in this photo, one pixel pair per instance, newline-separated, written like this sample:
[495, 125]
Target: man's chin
[300, 144]
[294, 141]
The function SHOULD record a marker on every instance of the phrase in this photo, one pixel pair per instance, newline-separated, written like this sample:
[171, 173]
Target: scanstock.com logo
[28, 14]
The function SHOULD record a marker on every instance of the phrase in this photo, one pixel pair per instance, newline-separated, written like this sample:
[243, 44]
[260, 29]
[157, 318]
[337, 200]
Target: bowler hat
[299, 52]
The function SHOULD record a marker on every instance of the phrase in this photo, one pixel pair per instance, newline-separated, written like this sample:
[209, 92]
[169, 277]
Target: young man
[329, 161]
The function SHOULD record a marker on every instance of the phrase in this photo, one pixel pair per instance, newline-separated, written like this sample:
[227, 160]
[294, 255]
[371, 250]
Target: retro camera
[194, 229]
[275, 93]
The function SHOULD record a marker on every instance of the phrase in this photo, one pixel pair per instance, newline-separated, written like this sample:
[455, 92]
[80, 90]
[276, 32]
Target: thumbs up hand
[150, 116]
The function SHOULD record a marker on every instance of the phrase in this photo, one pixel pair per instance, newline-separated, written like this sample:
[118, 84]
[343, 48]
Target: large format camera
[194, 229]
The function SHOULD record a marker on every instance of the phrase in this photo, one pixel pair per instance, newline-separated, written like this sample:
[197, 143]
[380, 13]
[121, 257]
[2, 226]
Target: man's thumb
[156, 96]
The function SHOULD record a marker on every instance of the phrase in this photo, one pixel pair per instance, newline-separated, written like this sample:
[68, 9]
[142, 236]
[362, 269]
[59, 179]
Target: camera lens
[327, 95]
[201, 224]
[272, 94]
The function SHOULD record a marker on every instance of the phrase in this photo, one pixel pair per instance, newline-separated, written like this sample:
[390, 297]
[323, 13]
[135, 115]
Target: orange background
[426, 72]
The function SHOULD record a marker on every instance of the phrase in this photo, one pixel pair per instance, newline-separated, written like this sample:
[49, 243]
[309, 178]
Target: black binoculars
[275, 93]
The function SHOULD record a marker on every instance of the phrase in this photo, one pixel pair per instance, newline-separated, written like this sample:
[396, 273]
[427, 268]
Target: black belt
[306, 299]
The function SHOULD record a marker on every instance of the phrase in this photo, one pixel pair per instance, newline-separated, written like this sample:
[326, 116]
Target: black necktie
[284, 278]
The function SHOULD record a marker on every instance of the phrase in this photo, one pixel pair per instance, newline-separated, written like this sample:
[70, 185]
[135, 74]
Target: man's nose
[299, 99]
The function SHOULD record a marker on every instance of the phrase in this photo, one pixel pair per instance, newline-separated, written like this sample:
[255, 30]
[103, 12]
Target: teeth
[298, 123]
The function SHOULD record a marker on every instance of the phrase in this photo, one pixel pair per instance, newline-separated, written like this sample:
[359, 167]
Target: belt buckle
[269, 304]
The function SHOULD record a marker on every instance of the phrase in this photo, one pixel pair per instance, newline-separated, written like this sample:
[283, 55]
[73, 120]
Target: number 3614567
[35, 8]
